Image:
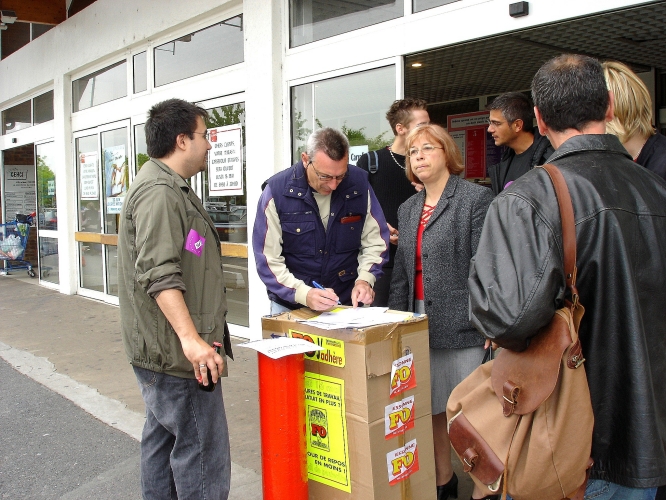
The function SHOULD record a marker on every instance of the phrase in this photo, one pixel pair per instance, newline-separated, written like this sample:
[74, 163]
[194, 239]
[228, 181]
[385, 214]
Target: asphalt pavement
[71, 412]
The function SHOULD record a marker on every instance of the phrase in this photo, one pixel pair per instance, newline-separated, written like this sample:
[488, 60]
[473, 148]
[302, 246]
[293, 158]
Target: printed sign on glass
[225, 161]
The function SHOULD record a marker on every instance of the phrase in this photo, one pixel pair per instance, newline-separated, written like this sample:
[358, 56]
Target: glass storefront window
[211, 48]
[49, 268]
[140, 72]
[115, 176]
[42, 108]
[47, 217]
[226, 124]
[420, 5]
[90, 266]
[99, 87]
[313, 20]
[17, 118]
[111, 269]
[355, 104]
[87, 173]
[140, 146]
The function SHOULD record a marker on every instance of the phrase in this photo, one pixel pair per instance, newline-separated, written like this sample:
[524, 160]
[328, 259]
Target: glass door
[222, 189]
[103, 171]
[47, 214]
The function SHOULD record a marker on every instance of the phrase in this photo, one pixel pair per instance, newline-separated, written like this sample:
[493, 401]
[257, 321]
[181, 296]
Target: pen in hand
[317, 285]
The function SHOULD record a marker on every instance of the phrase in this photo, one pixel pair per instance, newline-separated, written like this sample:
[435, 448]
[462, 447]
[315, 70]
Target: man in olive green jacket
[173, 307]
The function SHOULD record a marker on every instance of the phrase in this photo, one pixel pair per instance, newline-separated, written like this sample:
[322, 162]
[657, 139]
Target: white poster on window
[225, 161]
[117, 177]
[20, 196]
[88, 176]
[355, 152]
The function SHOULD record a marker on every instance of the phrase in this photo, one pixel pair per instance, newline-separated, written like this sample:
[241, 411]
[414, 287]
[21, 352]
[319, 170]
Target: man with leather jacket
[517, 282]
[511, 124]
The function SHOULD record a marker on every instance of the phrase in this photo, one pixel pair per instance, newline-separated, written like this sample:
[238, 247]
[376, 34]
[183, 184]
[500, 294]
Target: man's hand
[393, 234]
[321, 300]
[362, 292]
[202, 356]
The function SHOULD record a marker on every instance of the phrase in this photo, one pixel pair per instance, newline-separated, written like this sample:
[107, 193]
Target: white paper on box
[402, 462]
[281, 346]
[398, 417]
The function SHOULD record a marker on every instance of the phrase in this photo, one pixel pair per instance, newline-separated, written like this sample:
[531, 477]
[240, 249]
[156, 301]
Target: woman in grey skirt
[439, 231]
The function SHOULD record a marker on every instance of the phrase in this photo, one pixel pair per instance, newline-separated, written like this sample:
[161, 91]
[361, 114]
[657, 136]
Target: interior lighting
[417, 65]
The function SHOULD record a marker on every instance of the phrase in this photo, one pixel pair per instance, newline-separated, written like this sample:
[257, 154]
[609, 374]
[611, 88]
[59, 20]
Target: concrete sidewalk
[72, 345]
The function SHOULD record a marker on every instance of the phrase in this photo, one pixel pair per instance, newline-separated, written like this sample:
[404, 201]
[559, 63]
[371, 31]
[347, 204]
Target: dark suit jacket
[449, 242]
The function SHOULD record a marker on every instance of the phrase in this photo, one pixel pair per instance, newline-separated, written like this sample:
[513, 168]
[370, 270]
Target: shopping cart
[13, 240]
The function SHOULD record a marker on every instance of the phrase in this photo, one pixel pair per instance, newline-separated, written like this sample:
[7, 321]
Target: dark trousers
[382, 286]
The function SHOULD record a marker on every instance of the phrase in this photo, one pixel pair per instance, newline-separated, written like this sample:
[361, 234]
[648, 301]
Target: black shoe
[448, 490]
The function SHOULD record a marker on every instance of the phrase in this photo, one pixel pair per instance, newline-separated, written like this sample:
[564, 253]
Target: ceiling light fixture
[7, 16]
[416, 65]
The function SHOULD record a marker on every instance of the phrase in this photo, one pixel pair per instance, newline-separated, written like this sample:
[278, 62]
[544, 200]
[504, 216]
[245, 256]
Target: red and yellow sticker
[403, 462]
[403, 375]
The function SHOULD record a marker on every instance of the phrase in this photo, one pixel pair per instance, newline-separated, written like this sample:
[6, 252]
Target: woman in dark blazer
[439, 232]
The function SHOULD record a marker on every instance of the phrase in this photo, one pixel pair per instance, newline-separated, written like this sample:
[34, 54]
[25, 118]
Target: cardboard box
[348, 407]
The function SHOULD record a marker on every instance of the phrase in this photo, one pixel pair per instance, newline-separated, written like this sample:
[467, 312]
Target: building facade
[74, 101]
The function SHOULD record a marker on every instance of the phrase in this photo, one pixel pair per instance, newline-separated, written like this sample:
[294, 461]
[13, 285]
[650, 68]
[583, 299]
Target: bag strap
[373, 167]
[568, 228]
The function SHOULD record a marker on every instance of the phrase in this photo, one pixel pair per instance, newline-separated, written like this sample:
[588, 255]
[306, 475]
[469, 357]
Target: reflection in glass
[420, 5]
[102, 86]
[355, 104]
[229, 213]
[42, 108]
[46, 187]
[88, 183]
[111, 269]
[140, 146]
[313, 20]
[90, 266]
[49, 269]
[13, 37]
[39, 29]
[140, 72]
[236, 283]
[115, 175]
[211, 48]
[16, 118]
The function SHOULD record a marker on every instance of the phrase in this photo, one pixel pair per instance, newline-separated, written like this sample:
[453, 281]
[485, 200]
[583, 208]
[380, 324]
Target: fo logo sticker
[399, 417]
[403, 376]
[402, 463]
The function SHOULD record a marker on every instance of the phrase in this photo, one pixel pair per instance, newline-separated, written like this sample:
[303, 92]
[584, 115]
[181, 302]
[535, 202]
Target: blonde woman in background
[633, 118]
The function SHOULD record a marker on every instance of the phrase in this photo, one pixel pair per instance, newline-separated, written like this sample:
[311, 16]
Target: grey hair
[331, 142]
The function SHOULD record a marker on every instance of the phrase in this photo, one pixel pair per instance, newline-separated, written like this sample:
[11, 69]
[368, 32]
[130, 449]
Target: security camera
[7, 17]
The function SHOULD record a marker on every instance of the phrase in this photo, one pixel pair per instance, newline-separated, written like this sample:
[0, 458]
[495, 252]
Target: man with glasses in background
[511, 124]
[320, 237]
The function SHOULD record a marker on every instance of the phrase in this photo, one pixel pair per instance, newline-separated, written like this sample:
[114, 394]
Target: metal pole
[282, 418]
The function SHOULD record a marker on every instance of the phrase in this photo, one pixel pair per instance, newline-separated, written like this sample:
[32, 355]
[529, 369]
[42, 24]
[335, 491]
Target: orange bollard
[282, 419]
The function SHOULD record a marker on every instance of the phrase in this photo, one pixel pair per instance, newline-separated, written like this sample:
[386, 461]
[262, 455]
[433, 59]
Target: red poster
[475, 152]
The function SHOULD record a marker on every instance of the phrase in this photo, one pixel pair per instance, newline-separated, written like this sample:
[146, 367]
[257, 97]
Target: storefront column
[264, 54]
[65, 182]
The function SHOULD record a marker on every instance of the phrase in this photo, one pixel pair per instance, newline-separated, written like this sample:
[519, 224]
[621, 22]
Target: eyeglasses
[325, 177]
[427, 149]
[496, 124]
[205, 134]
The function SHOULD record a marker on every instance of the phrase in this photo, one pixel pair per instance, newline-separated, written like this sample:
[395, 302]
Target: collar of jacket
[177, 179]
[298, 187]
[443, 202]
[589, 142]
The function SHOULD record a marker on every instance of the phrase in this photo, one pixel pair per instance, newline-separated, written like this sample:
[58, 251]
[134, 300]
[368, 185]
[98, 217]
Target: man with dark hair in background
[511, 124]
[173, 308]
[320, 237]
[517, 279]
[387, 177]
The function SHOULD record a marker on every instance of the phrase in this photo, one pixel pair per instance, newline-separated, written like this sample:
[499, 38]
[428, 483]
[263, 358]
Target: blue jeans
[598, 489]
[185, 441]
[278, 308]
